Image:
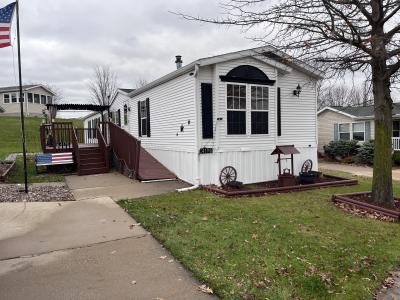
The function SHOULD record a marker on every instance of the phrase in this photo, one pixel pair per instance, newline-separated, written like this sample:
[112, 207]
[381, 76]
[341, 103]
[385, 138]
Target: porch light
[297, 91]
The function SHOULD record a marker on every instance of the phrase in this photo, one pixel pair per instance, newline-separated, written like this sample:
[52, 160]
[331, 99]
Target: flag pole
[21, 101]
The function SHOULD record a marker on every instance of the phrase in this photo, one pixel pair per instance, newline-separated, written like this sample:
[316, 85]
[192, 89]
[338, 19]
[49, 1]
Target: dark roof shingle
[364, 111]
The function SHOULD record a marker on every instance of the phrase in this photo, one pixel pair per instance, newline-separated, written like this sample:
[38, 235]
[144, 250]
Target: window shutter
[148, 116]
[119, 117]
[139, 120]
[367, 131]
[207, 111]
[336, 132]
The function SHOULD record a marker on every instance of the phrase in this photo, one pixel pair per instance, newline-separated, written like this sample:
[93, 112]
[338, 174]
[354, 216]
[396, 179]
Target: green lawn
[287, 246]
[10, 134]
[17, 173]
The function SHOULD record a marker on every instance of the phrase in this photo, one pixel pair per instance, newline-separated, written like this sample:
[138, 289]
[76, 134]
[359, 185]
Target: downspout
[276, 106]
[197, 144]
[197, 105]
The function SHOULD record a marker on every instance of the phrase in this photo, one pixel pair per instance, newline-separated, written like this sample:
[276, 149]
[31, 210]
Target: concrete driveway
[117, 186]
[88, 249]
[355, 170]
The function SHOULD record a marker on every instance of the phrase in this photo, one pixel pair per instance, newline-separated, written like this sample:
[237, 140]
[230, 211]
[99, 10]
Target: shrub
[396, 158]
[341, 149]
[365, 153]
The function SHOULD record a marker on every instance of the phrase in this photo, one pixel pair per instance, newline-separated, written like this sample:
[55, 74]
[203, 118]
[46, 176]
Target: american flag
[6, 15]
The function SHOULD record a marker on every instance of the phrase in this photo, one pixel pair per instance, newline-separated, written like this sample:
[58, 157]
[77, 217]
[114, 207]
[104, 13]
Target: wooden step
[91, 159]
[91, 165]
[90, 150]
[93, 171]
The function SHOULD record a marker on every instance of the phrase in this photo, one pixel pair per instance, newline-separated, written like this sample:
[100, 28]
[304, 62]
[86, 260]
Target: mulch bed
[360, 204]
[271, 187]
[42, 193]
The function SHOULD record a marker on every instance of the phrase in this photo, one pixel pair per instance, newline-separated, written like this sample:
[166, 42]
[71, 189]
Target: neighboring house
[352, 123]
[226, 110]
[36, 97]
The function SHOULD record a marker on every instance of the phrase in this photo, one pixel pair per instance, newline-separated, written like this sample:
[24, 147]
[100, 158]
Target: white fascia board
[274, 63]
[232, 56]
[336, 111]
[301, 66]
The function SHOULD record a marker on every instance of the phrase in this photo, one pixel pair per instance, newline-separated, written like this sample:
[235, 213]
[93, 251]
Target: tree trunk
[382, 190]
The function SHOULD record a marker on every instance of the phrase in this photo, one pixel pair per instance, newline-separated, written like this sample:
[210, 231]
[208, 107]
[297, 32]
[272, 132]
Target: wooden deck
[92, 149]
[152, 169]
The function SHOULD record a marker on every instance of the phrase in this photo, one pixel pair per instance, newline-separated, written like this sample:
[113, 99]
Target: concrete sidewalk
[88, 249]
[39, 227]
[355, 170]
[117, 186]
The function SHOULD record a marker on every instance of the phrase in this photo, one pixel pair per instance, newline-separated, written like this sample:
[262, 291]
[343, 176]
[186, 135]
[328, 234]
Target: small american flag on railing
[6, 15]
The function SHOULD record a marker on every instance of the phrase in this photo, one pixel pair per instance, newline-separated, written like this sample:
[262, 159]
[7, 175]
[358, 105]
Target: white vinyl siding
[298, 114]
[172, 105]
[118, 104]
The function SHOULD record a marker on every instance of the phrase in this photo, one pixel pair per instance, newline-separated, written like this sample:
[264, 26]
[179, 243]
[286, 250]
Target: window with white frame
[43, 99]
[236, 108]
[14, 97]
[359, 132]
[352, 131]
[396, 129]
[259, 109]
[49, 99]
[6, 98]
[23, 97]
[30, 97]
[344, 132]
[36, 98]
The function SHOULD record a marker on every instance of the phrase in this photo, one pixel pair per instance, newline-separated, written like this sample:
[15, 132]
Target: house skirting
[251, 166]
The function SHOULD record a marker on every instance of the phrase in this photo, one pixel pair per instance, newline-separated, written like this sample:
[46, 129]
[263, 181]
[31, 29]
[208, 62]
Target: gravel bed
[42, 193]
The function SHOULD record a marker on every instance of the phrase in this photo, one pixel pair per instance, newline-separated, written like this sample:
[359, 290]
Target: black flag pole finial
[21, 99]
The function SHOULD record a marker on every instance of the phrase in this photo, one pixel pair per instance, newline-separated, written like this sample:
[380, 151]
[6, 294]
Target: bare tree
[333, 94]
[103, 86]
[141, 82]
[336, 36]
[57, 91]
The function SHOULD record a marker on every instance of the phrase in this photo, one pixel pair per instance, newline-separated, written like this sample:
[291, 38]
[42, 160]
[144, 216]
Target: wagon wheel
[307, 166]
[228, 174]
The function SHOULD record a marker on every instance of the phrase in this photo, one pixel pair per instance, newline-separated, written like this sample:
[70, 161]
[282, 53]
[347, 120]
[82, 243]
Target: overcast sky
[62, 40]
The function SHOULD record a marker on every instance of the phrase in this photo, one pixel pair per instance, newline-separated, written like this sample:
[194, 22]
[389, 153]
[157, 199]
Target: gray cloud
[63, 40]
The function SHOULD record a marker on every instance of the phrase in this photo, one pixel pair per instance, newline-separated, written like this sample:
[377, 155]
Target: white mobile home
[226, 110]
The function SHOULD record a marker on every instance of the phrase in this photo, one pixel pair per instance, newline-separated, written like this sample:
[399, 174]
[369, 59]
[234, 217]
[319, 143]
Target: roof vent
[178, 61]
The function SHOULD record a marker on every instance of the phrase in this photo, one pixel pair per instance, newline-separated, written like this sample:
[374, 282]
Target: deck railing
[103, 147]
[75, 146]
[56, 136]
[125, 147]
[87, 136]
[396, 143]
